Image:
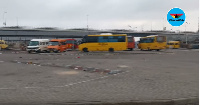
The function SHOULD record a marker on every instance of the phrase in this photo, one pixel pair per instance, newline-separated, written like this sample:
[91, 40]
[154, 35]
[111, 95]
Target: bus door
[62, 45]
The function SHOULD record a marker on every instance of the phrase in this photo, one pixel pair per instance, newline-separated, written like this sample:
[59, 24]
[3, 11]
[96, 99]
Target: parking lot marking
[7, 88]
[32, 87]
[67, 85]
[58, 86]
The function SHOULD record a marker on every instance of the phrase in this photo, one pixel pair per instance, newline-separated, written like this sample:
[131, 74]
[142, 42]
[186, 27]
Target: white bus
[38, 45]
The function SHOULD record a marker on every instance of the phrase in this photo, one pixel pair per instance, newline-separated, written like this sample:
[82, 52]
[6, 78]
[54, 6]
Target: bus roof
[106, 34]
[109, 35]
[70, 39]
[144, 37]
[40, 40]
[152, 35]
[58, 40]
[174, 41]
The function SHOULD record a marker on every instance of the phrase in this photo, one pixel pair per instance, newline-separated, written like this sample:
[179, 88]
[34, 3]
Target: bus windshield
[147, 40]
[103, 39]
[70, 41]
[33, 43]
[54, 43]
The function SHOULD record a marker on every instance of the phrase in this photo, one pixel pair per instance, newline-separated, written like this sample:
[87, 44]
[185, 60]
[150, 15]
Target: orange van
[57, 45]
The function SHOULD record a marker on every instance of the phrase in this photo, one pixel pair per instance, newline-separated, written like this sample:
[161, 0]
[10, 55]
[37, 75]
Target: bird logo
[176, 16]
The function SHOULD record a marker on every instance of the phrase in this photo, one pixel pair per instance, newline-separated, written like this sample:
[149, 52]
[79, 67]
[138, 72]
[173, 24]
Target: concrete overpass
[19, 34]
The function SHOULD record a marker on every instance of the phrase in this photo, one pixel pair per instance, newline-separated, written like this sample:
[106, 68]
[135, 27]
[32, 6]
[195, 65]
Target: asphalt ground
[169, 77]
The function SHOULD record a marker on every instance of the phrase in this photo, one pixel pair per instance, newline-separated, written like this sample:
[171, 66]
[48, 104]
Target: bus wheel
[39, 51]
[131, 49]
[111, 50]
[85, 49]
[57, 51]
[158, 50]
[47, 51]
[149, 49]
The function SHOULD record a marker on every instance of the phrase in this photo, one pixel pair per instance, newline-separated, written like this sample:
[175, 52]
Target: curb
[181, 101]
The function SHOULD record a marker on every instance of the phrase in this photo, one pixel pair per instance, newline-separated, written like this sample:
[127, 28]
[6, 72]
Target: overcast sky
[102, 14]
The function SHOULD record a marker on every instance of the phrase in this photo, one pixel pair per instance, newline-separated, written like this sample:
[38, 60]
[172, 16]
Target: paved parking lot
[169, 77]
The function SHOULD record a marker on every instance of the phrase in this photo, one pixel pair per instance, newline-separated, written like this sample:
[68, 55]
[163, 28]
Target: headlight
[33, 47]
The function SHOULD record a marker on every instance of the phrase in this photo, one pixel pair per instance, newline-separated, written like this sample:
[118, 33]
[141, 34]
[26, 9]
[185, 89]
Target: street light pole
[135, 28]
[17, 22]
[87, 22]
[198, 24]
[185, 25]
[186, 39]
[4, 22]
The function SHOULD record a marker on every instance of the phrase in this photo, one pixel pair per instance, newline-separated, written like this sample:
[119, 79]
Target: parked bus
[57, 45]
[153, 42]
[3, 44]
[71, 44]
[173, 44]
[131, 43]
[109, 43]
[38, 45]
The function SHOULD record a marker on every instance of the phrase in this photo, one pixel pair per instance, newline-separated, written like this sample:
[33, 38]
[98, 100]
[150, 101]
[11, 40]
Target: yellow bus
[173, 44]
[109, 43]
[153, 42]
[3, 44]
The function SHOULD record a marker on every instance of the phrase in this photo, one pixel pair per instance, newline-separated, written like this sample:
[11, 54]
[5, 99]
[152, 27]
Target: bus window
[69, 41]
[146, 40]
[91, 39]
[121, 39]
[150, 40]
[34, 43]
[103, 39]
[112, 39]
[170, 43]
[176, 43]
[160, 39]
[130, 39]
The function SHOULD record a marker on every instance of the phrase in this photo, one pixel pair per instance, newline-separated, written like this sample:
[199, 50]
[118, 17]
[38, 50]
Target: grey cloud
[73, 12]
